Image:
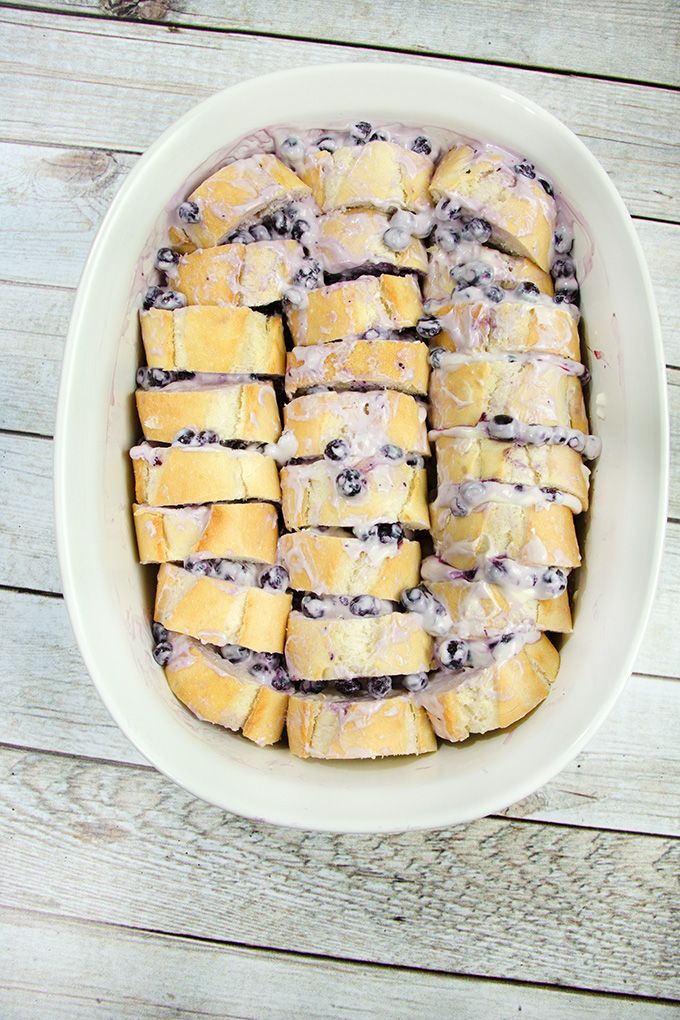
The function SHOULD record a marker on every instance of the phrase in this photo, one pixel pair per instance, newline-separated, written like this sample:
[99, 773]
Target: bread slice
[381, 175]
[535, 537]
[341, 565]
[225, 694]
[354, 239]
[536, 391]
[237, 274]
[391, 492]
[209, 338]
[478, 608]
[492, 698]
[240, 193]
[243, 411]
[350, 308]
[444, 271]
[218, 612]
[519, 210]
[337, 649]
[509, 326]
[177, 475]
[247, 531]
[365, 422]
[393, 364]
[331, 727]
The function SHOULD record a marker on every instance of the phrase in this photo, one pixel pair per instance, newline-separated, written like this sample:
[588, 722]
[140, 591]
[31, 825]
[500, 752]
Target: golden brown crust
[237, 274]
[335, 565]
[186, 475]
[354, 238]
[350, 308]
[508, 270]
[394, 364]
[334, 649]
[382, 175]
[319, 727]
[508, 326]
[207, 338]
[218, 693]
[218, 612]
[245, 411]
[364, 421]
[519, 210]
[247, 531]
[478, 608]
[392, 492]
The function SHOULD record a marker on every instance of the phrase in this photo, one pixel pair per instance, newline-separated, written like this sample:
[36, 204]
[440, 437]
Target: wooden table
[122, 896]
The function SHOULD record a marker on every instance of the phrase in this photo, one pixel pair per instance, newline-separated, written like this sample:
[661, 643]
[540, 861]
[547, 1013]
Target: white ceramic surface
[109, 595]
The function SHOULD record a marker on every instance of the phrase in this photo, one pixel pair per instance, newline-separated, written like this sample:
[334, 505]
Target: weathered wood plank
[71, 969]
[661, 244]
[581, 38]
[552, 904]
[628, 777]
[156, 74]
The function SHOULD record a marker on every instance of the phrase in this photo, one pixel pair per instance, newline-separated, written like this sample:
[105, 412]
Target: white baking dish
[109, 594]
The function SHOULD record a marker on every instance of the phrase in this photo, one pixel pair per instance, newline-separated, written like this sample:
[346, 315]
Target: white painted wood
[571, 36]
[68, 969]
[119, 86]
[541, 903]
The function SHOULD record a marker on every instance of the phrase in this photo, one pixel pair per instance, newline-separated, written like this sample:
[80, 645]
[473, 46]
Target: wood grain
[73, 970]
[157, 73]
[509, 31]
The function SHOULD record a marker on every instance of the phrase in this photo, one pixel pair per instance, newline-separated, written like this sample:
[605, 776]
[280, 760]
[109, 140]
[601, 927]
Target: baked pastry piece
[354, 238]
[485, 183]
[342, 565]
[476, 265]
[461, 459]
[332, 727]
[237, 274]
[225, 693]
[359, 494]
[237, 195]
[482, 325]
[355, 424]
[478, 608]
[244, 411]
[177, 475]
[350, 308]
[209, 338]
[394, 364]
[343, 648]
[488, 699]
[218, 612]
[381, 175]
[539, 537]
[247, 531]
[537, 390]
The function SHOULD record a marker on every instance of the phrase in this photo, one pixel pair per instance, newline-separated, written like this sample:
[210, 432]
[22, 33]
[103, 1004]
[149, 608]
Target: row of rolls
[364, 437]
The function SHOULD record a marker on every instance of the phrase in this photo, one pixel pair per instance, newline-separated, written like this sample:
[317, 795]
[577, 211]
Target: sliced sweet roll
[379, 174]
[247, 531]
[355, 494]
[240, 411]
[360, 239]
[333, 726]
[236, 196]
[347, 424]
[479, 700]
[237, 274]
[335, 647]
[352, 308]
[247, 611]
[540, 389]
[359, 364]
[478, 608]
[178, 475]
[228, 693]
[471, 264]
[381, 563]
[209, 338]
[489, 184]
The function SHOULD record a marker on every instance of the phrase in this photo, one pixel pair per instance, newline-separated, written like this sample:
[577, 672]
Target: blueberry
[186, 437]
[199, 567]
[275, 578]
[550, 493]
[526, 289]
[260, 233]
[299, 228]
[350, 482]
[436, 357]
[166, 257]
[261, 668]
[477, 229]
[281, 221]
[390, 533]
[447, 209]
[242, 236]
[427, 329]
[421, 144]
[567, 297]
[159, 632]
[348, 687]
[518, 487]
[392, 451]
[234, 444]
[327, 144]
[414, 460]
[547, 187]
[502, 419]
[281, 681]
[360, 131]
[379, 135]
[494, 294]
[555, 579]
[379, 686]
[150, 297]
[525, 168]
[415, 681]
[472, 274]
[453, 654]
[309, 272]
[337, 449]
[140, 376]
[496, 571]
[396, 239]
[207, 437]
[162, 653]
[312, 686]
[234, 653]
[563, 267]
[563, 240]
[414, 599]
[364, 605]
[169, 300]
[312, 607]
[156, 377]
[292, 147]
[189, 212]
